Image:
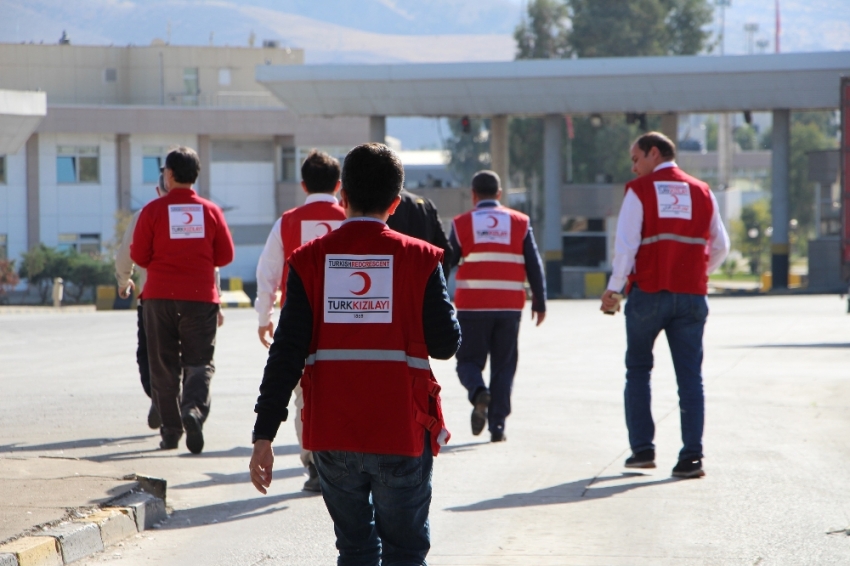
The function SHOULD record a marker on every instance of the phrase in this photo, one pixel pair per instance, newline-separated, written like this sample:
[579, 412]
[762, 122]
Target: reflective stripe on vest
[490, 284]
[496, 257]
[675, 238]
[368, 356]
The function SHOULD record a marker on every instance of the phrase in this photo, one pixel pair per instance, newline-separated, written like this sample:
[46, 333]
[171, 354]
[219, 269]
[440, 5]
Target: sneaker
[194, 433]
[154, 420]
[689, 468]
[479, 413]
[643, 459]
[498, 436]
[312, 483]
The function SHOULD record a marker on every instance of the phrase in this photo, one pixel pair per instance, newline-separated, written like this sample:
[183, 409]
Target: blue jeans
[682, 318]
[379, 505]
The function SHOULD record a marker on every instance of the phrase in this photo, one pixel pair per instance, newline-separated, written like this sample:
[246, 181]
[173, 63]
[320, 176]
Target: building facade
[112, 115]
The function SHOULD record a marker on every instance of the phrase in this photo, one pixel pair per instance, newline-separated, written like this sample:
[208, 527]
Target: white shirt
[630, 224]
[270, 266]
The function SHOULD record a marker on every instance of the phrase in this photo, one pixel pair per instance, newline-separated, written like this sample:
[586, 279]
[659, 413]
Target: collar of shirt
[489, 203]
[665, 165]
[363, 219]
[320, 197]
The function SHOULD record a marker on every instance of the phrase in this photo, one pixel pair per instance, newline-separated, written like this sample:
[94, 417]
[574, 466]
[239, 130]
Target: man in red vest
[180, 238]
[669, 238]
[319, 215]
[499, 253]
[365, 308]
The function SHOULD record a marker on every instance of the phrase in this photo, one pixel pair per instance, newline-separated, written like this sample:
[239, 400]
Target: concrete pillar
[724, 151]
[378, 129]
[33, 201]
[499, 156]
[670, 126]
[553, 139]
[122, 162]
[203, 186]
[779, 247]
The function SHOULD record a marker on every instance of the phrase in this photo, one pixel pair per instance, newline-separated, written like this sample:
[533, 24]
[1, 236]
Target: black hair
[372, 176]
[185, 165]
[320, 172]
[486, 183]
[665, 146]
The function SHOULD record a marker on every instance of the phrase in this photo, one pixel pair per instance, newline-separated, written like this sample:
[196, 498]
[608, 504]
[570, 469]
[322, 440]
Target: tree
[40, 265]
[8, 278]
[751, 235]
[620, 28]
[543, 35]
[469, 151]
[745, 136]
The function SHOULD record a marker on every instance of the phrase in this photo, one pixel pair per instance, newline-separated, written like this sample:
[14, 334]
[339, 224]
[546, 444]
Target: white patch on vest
[186, 221]
[674, 199]
[491, 226]
[312, 229]
[358, 289]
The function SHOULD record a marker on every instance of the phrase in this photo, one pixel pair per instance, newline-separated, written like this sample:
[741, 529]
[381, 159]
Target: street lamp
[762, 45]
[751, 28]
[723, 4]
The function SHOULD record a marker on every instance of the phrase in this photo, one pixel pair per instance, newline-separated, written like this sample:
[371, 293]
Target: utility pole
[723, 4]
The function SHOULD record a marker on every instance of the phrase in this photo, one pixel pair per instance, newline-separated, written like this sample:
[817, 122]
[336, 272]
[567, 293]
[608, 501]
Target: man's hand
[127, 291]
[610, 301]
[261, 464]
[541, 316]
[266, 334]
[219, 317]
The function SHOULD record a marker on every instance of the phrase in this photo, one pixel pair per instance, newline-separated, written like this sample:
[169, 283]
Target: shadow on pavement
[75, 444]
[572, 492]
[243, 452]
[815, 345]
[241, 477]
[229, 511]
[461, 447]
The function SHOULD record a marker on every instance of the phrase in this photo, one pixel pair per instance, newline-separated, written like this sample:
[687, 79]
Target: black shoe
[479, 413]
[498, 436]
[194, 433]
[154, 420]
[169, 442]
[689, 468]
[643, 459]
[312, 483]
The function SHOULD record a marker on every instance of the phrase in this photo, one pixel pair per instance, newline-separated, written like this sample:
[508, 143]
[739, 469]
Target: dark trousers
[682, 318]
[142, 352]
[379, 504]
[493, 334]
[181, 343]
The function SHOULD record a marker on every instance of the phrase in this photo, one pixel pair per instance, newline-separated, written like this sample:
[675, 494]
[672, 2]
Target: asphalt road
[777, 377]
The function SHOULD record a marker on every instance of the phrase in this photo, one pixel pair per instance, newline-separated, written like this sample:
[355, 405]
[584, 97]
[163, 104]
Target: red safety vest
[301, 224]
[368, 385]
[673, 252]
[492, 274]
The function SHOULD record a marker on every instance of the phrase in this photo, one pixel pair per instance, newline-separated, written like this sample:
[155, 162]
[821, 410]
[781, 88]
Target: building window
[110, 75]
[4, 248]
[585, 242]
[288, 161]
[80, 243]
[224, 77]
[2, 169]
[77, 164]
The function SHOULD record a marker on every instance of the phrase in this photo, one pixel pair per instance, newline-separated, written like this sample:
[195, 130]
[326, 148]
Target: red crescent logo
[190, 217]
[327, 227]
[675, 199]
[494, 219]
[367, 283]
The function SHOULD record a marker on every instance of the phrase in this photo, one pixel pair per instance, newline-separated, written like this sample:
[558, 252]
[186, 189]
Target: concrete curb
[89, 534]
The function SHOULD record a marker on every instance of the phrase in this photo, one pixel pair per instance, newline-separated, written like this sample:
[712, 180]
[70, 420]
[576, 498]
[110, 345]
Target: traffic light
[465, 125]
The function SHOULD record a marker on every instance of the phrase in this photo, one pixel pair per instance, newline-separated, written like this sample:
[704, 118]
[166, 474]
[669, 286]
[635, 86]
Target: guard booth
[825, 249]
